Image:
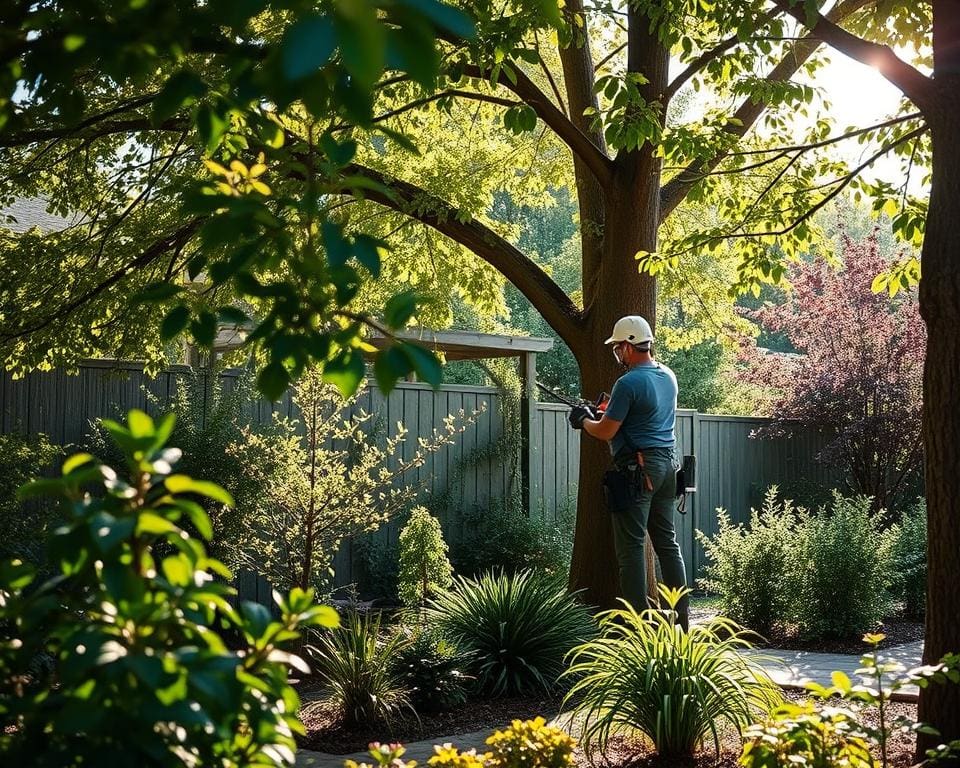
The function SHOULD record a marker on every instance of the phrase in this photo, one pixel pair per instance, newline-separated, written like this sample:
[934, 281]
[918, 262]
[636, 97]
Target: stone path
[420, 751]
[789, 669]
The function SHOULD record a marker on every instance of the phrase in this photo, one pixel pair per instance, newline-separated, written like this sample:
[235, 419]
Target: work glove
[579, 414]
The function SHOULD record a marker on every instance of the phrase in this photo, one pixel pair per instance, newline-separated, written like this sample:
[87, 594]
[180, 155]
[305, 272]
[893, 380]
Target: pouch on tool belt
[618, 488]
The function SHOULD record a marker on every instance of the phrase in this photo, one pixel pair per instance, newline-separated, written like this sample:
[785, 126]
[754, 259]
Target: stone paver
[794, 668]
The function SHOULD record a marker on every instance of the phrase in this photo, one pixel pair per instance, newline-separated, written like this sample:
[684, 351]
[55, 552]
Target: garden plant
[517, 629]
[646, 675]
[133, 653]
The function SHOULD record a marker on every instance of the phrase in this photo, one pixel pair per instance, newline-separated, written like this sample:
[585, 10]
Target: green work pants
[651, 512]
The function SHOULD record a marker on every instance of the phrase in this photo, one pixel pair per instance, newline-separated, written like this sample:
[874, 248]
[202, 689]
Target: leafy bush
[503, 538]
[424, 567]
[753, 569]
[646, 675]
[805, 736]
[314, 487]
[138, 671]
[25, 525]
[209, 418]
[359, 666]
[431, 669]
[826, 733]
[516, 628]
[531, 744]
[908, 555]
[845, 572]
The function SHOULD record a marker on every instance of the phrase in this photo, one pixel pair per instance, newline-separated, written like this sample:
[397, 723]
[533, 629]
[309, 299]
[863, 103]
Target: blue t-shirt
[644, 399]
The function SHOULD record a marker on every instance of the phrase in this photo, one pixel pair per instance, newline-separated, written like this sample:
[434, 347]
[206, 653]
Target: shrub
[646, 675]
[517, 628]
[833, 730]
[431, 669]
[312, 490]
[359, 666]
[502, 537]
[138, 671]
[845, 570]
[908, 556]
[531, 744]
[424, 567]
[753, 569]
[25, 525]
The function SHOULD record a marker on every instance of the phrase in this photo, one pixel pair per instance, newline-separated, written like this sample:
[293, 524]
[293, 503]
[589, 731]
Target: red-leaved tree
[858, 372]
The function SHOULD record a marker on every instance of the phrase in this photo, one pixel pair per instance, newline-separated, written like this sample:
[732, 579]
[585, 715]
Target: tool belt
[622, 485]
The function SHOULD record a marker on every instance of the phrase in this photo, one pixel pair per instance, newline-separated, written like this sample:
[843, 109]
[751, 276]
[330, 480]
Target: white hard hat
[632, 328]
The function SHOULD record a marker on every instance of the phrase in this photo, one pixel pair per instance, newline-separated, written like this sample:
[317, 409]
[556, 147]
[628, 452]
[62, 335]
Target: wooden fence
[733, 469]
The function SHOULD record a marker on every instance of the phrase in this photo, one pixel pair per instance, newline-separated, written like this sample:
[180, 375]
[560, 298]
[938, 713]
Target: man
[639, 423]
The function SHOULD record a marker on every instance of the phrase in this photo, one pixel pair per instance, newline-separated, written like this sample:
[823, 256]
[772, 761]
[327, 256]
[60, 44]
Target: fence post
[529, 439]
[694, 510]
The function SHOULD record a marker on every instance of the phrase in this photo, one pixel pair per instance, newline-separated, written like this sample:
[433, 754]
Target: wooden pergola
[458, 345]
[471, 345]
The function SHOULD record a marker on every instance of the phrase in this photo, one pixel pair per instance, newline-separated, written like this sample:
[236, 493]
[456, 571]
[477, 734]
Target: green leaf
[75, 461]
[345, 371]
[307, 46]
[178, 571]
[141, 425]
[182, 88]
[367, 251]
[232, 315]
[156, 292]
[361, 37]
[152, 523]
[400, 308]
[204, 328]
[211, 127]
[273, 380]
[174, 322]
[447, 17]
[186, 484]
[425, 363]
[390, 365]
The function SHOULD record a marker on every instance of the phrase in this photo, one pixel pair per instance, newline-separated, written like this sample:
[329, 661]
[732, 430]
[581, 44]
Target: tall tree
[596, 75]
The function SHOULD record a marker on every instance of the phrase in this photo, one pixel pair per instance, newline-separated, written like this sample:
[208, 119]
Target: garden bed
[325, 733]
[896, 631]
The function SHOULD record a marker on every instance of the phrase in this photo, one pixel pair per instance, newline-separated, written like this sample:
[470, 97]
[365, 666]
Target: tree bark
[613, 287]
[940, 307]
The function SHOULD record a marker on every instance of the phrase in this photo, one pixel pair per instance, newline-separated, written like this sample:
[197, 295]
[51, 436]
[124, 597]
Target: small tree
[307, 490]
[425, 569]
[858, 373]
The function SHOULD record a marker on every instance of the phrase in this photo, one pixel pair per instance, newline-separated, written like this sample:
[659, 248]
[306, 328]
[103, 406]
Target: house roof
[27, 213]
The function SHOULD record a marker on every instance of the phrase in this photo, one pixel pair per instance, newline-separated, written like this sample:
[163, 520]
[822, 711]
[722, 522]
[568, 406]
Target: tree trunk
[631, 225]
[940, 308]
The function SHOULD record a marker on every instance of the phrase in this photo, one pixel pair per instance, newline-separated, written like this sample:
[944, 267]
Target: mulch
[896, 631]
[325, 733]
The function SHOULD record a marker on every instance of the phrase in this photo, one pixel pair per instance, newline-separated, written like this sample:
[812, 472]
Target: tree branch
[147, 256]
[579, 143]
[675, 190]
[549, 299]
[106, 128]
[706, 57]
[914, 84]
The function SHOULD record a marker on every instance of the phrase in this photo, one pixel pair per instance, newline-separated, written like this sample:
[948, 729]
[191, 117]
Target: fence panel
[733, 469]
